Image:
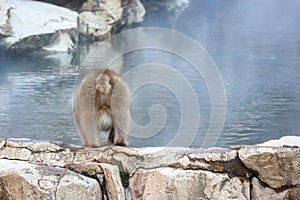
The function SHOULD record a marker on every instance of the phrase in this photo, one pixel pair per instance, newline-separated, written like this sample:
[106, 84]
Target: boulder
[292, 194]
[31, 25]
[21, 180]
[169, 183]
[213, 159]
[93, 26]
[261, 192]
[99, 18]
[134, 11]
[36, 152]
[277, 167]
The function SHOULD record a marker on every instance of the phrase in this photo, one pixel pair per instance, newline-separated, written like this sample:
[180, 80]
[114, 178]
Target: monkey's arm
[84, 112]
[120, 108]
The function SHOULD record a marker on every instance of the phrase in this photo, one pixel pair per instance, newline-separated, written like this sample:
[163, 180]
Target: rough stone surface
[32, 25]
[168, 183]
[113, 183]
[21, 180]
[214, 159]
[36, 152]
[134, 11]
[98, 19]
[94, 26]
[152, 173]
[260, 192]
[292, 194]
[276, 167]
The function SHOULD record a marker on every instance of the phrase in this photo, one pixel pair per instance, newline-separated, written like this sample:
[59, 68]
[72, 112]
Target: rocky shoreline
[58, 26]
[42, 170]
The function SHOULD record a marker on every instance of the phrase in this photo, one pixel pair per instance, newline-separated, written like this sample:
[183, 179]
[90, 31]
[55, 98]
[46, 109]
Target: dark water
[255, 45]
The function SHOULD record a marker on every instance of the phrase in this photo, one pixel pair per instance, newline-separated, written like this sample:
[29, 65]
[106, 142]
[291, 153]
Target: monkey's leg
[89, 131]
[119, 137]
[111, 136]
[120, 111]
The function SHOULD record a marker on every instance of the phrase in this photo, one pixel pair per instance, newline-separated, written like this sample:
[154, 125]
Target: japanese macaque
[101, 103]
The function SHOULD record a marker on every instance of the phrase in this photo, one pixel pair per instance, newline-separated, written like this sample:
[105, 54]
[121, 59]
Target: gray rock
[260, 192]
[276, 167]
[292, 194]
[149, 173]
[36, 152]
[99, 19]
[32, 25]
[21, 180]
[213, 159]
[12, 150]
[168, 183]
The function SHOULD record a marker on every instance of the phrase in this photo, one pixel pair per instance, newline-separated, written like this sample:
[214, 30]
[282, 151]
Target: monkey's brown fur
[101, 103]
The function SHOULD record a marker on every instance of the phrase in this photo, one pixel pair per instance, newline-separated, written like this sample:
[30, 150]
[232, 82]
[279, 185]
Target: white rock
[168, 183]
[284, 141]
[21, 180]
[37, 24]
[93, 25]
[135, 12]
[99, 17]
[111, 10]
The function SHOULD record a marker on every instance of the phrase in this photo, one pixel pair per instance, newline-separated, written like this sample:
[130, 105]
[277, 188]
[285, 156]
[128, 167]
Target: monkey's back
[93, 113]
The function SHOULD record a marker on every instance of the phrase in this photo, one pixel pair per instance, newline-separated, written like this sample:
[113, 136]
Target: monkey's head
[103, 84]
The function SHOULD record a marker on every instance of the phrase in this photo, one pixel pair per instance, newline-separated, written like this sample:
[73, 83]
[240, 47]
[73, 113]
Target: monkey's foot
[118, 143]
[121, 143]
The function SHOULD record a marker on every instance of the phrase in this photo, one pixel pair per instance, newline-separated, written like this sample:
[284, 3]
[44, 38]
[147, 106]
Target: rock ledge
[30, 170]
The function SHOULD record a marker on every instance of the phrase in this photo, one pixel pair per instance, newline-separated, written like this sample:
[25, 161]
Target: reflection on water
[36, 98]
[255, 44]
